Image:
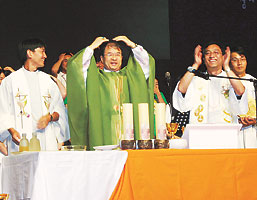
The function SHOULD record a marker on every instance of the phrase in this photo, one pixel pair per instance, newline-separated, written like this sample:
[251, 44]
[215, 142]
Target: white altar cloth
[56, 175]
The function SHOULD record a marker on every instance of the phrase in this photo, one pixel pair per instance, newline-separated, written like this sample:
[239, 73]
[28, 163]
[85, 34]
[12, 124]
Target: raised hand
[126, 40]
[198, 56]
[98, 41]
[226, 59]
[61, 56]
[9, 68]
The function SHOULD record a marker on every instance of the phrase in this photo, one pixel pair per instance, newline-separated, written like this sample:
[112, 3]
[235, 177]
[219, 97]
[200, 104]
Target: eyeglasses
[238, 59]
[113, 54]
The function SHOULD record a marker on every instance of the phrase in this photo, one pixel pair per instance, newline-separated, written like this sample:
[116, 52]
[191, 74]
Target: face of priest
[65, 62]
[213, 57]
[112, 58]
[38, 57]
[238, 64]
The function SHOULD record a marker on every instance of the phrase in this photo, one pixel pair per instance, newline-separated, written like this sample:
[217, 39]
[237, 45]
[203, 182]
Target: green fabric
[156, 99]
[65, 100]
[77, 103]
[163, 97]
[94, 114]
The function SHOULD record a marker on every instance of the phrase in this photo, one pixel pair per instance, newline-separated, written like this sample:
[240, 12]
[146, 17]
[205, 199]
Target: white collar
[107, 70]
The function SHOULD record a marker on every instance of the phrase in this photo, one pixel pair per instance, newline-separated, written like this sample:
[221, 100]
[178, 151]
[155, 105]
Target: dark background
[168, 30]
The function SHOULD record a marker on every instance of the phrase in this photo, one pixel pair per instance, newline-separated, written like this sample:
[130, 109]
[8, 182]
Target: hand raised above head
[98, 41]
[126, 40]
[61, 56]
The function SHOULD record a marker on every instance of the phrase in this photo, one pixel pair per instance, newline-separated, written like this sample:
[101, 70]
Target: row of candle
[144, 128]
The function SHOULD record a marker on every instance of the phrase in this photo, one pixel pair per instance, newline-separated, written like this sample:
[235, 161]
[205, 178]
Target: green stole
[95, 112]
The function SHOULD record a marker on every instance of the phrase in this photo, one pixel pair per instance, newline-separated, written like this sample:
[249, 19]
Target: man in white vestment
[216, 100]
[31, 102]
[238, 64]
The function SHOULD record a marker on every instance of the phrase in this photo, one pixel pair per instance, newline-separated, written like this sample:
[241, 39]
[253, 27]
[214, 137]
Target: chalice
[172, 129]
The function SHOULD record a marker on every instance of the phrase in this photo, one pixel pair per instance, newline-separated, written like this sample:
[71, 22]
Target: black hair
[67, 53]
[6, 72]
[97, 54]
[103, 46]
[213, 42]
[238, 49]
[29, 44]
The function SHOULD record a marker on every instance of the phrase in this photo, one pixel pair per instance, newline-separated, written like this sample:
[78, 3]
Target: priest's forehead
[112, 45]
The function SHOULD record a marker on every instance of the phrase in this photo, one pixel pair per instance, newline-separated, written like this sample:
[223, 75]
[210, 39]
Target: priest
[30, 102]
[217, 100]
[95, 96]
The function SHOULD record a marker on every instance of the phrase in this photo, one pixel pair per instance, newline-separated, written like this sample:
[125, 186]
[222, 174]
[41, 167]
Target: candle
[128, 130]
[160, 122]
[144, 130]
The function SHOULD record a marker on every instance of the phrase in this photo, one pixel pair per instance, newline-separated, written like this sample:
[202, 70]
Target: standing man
[214, 100]
[59, 70]
[61, 63]
[95, 96]
[238, 64]
[31, 102]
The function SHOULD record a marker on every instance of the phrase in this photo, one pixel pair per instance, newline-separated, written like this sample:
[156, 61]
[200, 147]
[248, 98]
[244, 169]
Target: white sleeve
[142, 58]
[238, 106]
[88, 53]
[180, 102]
[57, 105]
[6, 107]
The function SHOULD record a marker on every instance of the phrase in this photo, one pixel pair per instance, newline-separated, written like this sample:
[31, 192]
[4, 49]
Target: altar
[186, 174]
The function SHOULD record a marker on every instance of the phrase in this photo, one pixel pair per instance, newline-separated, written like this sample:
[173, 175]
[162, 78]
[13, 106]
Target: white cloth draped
[69, 175]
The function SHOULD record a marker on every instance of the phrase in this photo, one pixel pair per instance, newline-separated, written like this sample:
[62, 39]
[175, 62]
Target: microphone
[198, 73]
[167, 77]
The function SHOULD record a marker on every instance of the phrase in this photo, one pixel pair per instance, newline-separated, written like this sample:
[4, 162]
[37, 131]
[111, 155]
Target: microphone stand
[172, 111]
[254, 81]
[171, 101]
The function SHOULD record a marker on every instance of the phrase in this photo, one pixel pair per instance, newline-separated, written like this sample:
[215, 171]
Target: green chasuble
[95, 111]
